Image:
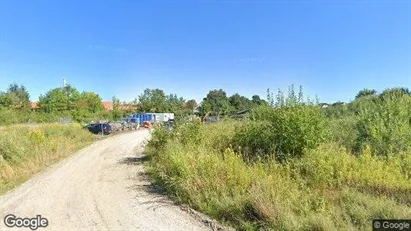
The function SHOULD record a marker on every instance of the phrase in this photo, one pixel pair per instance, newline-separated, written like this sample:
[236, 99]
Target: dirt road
[102, 187]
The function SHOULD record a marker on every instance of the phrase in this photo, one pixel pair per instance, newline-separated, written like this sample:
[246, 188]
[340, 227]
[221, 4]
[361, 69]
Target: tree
[117, 113]
[398, 91]
[217, 102]
[239, 102]
[257, 101]
[91, 101]
[191, 104]
[174, 104]
[16, 97]
[60, 100]
[152, 100]
[365, 92]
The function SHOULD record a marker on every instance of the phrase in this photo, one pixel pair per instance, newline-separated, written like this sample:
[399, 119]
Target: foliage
[91, 102]
[365, 92]
[256, 100]
[152, 100]
[217, 102]
[191, 104]
[325, 189]
[239, 102]
[287, 129]
[385, 125]
[60, 100]
[16, 97]
[395, 92]
[27, 149]
[117, 112]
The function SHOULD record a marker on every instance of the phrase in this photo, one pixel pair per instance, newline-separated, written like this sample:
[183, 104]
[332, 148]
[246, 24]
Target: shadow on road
[143, 186]
[134, 160]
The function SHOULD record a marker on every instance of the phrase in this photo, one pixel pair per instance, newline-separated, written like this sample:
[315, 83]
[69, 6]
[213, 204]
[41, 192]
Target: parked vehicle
[118, 126]
[131, 123]
[100, 128]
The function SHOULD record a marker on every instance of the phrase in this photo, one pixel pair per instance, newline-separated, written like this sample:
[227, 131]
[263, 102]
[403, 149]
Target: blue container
[144, 117]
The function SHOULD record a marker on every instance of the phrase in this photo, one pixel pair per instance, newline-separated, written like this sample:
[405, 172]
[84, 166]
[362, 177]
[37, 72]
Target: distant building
[241, 114]
[108, 106]
[34, 106]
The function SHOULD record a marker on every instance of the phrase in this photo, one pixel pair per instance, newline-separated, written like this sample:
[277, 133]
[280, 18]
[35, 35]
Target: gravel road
[102, 187]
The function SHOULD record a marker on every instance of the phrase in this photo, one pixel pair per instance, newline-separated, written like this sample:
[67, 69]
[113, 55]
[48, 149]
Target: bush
[328, 188]
[286, 130]
[343, 131]
[385, 125]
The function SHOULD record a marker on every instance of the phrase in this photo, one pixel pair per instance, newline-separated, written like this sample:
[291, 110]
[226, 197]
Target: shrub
[385, 125]
[327, 188]
[286, 130]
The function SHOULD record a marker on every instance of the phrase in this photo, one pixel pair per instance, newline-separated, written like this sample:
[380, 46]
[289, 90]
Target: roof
[128, 107]
[243, 111]
[108, 105]
[34, 105]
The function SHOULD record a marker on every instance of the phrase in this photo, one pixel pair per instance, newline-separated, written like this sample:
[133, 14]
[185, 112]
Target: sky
[121, 47]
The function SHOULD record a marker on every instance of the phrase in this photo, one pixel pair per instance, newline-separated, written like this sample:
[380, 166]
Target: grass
[26, 150]
[327, 188]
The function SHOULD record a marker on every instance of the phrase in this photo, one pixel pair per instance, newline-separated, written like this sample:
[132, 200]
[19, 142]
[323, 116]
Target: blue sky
[332, 48]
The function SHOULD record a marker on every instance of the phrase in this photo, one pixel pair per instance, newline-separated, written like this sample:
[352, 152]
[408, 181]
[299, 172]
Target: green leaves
[385, 124]
[16, 97]
[155, 100]
[287, 129]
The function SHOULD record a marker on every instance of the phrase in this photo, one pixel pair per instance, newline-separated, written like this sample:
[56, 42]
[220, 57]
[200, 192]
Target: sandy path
[102, 187]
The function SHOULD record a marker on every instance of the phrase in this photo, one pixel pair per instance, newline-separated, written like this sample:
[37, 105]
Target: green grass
[26, 150]
[327, 188]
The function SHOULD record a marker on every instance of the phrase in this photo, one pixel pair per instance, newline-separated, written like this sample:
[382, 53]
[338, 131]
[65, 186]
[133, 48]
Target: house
[108, 106]
[34, 106]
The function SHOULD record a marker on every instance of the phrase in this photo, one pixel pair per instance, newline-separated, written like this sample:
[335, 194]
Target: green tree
[395, 92]
[16, 97]
[365, 92]
[152, 100]
[257, 101]
[217, 102]
[60, 100]
[174, 104]
[239, 102]
[191, 104]
[117, 113]
[92, 101]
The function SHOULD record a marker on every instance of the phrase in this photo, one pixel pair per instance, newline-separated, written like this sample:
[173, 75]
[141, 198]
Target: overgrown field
[296, 166]
[26, 150]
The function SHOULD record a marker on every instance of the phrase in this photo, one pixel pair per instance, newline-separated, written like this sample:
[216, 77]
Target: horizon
[333, 49]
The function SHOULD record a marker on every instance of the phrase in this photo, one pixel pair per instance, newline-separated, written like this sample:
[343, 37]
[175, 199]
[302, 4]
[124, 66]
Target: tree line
[69, 102]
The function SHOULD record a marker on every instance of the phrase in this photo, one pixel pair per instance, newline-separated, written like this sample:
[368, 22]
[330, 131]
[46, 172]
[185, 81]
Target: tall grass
[339, 172]
[26, 150]
[326, 189]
